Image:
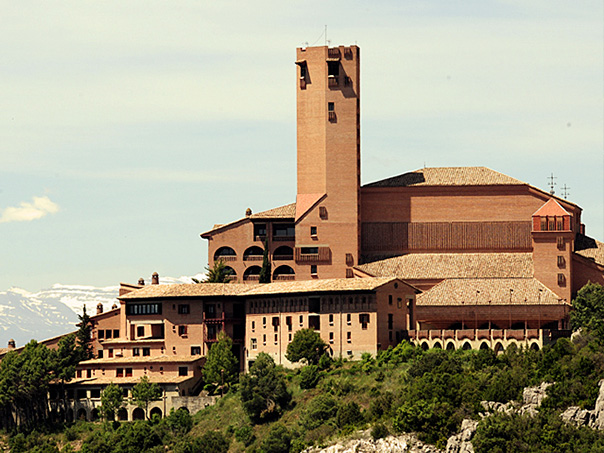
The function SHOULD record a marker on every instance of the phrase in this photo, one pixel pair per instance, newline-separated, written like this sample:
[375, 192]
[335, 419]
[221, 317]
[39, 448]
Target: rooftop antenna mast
[565, 192]
[326, 40]
[552, 183]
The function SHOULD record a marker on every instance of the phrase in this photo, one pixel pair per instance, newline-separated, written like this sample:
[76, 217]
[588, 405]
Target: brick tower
[328, 138]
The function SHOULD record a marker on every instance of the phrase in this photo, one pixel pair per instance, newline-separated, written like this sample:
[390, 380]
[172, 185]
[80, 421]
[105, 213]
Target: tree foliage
[306, 345]
[112, 400]
[588, 310]
[144, 392]
[218, 273]
[221, 365]
[84, 337]
[263, 390]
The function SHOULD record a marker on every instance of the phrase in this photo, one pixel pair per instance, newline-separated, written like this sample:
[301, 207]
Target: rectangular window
[288, 322]
[99, 354]
[184, 309]
[309, 250]
[195, 350]
[349, 273]
[323, 212]
[253, 326]
[89, 373]
[119, 372]
[264, 340]
[561, 279]
[95, 393]
[390, 335]
[264, 322]
[136, 352]
[79, 373]
[560, 261]
[182, 330]
[390, 321]
[101, 334]
[143, 309]
[275, 322]
[331, 107]
[140, 331]
[331, 320]
[560, 242]
[146, 352]
[116, 333]
[348, 319]
[276, 338]
[128, 372]
[301, 320]
[349, 337]
[313, 231]
[390, 300]
[313, 269]
[81, 394]
[110, 353]
[183, 371]
[254, 344]
[364, 320]
[331, 337]
[259, 231]
[108, 334]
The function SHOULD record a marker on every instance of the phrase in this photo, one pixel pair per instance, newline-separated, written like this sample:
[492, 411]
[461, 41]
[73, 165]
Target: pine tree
[221, 365]
[265, 272]
[84, 337]
[217, 274]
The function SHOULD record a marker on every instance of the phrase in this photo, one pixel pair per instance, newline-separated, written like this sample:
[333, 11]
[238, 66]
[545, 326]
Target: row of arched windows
[254, 252]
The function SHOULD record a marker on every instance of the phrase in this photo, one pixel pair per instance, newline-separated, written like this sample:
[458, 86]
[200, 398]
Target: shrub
[307, 345]
[379, 431]
[349, 415]
[319, 410]
[211, 441]
[309, 377]
[278, 440]
[245, 435]
[179, 421]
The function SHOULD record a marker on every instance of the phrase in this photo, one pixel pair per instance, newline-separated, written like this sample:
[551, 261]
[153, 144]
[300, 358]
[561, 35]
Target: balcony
[333, 53]
[281, 278]
[333, 81]
[284, 238]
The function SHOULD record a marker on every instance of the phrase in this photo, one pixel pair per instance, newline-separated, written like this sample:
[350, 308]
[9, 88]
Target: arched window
[225, 253]
[283, 253]
[253, 253]
[228, 270]
[252, 273]
[284, 272]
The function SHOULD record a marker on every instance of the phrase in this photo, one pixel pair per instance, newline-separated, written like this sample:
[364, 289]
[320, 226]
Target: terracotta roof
[590, 248]
[424, 266]
[287, 211]
[448, 176]
[323, 285]
[306, 201]
[551, 208]
[143, 359]
[131, 380]
[186, 290]
[493, 291]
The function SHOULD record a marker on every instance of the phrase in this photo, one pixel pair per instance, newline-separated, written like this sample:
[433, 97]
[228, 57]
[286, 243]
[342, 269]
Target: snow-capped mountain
[54, 311]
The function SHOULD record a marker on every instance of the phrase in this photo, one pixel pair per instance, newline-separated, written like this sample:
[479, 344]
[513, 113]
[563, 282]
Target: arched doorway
[425, 346]
[94, 415]
[138, 414]
[466, 346]
[122, 415]
[450, 346]
[499, 348]
[484, 345]
[156, 411]
[437, 345]
[81, 415]
[284, 272]
[283, 253]
[253, 253]
[225, 253]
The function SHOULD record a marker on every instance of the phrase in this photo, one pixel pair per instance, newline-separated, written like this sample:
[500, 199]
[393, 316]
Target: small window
[313, 269]
[289, 337]
[349, 273]
[184, 309]
[119, 372]
[331, 107]
[560, 242]
[364, 320]
[116, 333]
[95, 393]
[276, 338]
[264, 322]
[195, 350]
[560, 261]
[264, 340]
[146, 352]
[99, 354]
[389, 300]
[108, 334]
[88, 373]
[182, 330]
[561, 279]
[79, 373]
[128, 372]
[110, 353]
[254, 343]
[136, 352]
[348, 319]
[323, 212]
[313, 231]
[275, 322]
[101, 334]
[301, 320]
[349, 337]
[331, 319]
[390, 321]
[253, 326]
[183, 371]
[390, 335]
[140, 331]
[81, 394]
[331, 337]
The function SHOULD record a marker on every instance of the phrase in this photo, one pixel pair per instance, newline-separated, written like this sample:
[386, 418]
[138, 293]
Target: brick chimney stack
[155, 278]
[11, 344]
[141, 281]
[99, 308]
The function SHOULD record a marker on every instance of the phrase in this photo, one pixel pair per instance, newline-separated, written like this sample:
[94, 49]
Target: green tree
[306, 345]
[263, 390]
[278, 440]
[144, 392]
[84, 337]
[217, 273]
[309, 377]
[588, 310]
[112, 400]
[265, 272]
[221, 364]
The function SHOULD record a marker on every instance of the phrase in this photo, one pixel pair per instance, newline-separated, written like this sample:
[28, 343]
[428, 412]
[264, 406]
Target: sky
[127, 128]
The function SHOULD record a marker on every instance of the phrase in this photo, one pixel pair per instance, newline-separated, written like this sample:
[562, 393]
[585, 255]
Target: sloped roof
[590, 248]
[287, 211]
[305, 201]
[489, 291]
[551, 208]
[186, 290]
[428, 266]
[144, 359]
[448, 176]
[324, 285]
[153, 378]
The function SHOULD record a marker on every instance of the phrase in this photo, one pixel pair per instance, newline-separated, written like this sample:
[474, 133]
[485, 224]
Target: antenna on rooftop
[552, 183]
[326, 40]
[565, 192]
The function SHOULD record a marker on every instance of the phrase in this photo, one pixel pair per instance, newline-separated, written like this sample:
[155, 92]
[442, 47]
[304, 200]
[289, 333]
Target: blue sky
[128, 128]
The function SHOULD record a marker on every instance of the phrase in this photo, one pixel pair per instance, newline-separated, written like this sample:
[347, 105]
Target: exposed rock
[583, 417]
[462, 442]
[532, 397]
[406, 443]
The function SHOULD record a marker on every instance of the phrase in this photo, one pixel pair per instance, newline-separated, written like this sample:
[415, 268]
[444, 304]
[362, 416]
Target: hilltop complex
[443, 257]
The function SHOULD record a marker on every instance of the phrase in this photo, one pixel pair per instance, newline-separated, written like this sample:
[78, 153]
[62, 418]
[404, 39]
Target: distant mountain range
[54, 311]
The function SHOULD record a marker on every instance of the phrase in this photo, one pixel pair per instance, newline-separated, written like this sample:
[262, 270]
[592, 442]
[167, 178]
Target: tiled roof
[186, 290]
[131, 380]
[324, 285]
[551, 208]
[492, 291]
[143, 359]
[448, 176]
[590, 248]
[287, 211]
[424, 266]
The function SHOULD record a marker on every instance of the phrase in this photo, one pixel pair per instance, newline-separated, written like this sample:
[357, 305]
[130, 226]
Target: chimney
[155, 278]
[99, 308]
[11, 344]
[114, 306]
[248, 212]
[141, 281]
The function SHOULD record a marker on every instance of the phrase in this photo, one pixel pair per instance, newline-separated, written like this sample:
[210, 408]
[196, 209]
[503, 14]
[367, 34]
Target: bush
[278, 440]
[319, 409]
[211, 441]
[325, 362]
[309, 377]
[379, 431]
[245, 435]
[349, 415]
[179, 421]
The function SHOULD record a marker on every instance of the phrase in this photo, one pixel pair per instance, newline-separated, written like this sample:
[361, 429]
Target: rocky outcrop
[406, 443]
[583, 417]
[462, 442]
[532, 397]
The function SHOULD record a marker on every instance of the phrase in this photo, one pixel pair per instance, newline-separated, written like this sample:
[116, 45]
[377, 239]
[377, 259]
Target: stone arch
[138, 414]
[499, 348]
[183, 408]
[155, 411]
[484, 345]
[252, 273]
[224, 253]
[425, 345]
[535, 346]
[94, 414]
[82, 415]
[253, 253]
[284, 272]
[466, 346]
[450, 346]
[283, 253]
[437, 345]
[122, 415]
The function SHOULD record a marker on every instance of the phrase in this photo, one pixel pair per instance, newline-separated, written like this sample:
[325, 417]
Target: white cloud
[26, 212]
